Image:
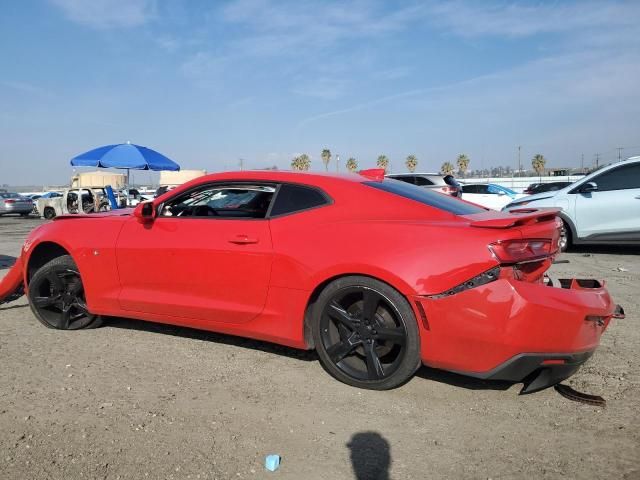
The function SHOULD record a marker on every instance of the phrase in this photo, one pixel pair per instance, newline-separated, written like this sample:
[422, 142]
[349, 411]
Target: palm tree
[411, 163]
[463, 163]
[352, 164]
[538, 162]
[302, 162]
[447, 168]
[382, 162]
[326, 158]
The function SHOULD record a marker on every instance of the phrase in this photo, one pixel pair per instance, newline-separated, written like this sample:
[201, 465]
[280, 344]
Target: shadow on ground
[7, 261]
[370, 455]
[203, 335]
[463, 381]
[605, 249]
[426, 373]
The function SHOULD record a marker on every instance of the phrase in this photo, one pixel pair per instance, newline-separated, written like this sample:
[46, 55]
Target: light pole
[519, 163]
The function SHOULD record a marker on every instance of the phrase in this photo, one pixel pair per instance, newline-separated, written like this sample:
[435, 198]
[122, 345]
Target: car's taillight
[518, 251]
[9, 201]
[449, 190]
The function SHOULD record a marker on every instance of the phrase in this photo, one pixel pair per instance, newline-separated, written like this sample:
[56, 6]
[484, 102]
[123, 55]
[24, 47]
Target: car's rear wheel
[56, 296]
[366, 334]
[565, 237]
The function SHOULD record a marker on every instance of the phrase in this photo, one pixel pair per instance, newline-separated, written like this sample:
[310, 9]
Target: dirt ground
[138, 400]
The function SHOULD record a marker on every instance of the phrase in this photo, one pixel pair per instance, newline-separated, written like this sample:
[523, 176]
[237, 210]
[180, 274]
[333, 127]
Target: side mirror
[145, 212]
[588, 187]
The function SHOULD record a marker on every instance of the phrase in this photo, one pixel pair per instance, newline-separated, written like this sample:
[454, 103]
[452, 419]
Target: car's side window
[621, 178]
[470, 189]
[421, 181]
[294, 198]
[484, 189]
[406, 178]
[221, 201]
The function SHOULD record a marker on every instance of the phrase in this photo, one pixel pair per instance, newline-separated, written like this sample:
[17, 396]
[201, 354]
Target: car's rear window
[426, 197]
[9, 195]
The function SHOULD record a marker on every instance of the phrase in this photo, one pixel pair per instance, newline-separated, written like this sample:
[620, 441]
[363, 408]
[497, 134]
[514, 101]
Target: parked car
[15, 203]
[377, 275]
[435, 181]
[35, 196]
[73, 201]
[601, 208]
[489, 195]
[545, 187]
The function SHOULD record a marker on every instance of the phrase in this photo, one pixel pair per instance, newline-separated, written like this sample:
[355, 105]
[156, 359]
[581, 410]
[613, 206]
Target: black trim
[267, 216]
[529, 368]
[481, 279]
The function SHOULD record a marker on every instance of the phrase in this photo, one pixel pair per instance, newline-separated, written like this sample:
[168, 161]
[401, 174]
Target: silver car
[15, 203]
[441, 183]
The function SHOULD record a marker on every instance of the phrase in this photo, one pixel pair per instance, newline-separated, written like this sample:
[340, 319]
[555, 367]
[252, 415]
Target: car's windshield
[426, 197]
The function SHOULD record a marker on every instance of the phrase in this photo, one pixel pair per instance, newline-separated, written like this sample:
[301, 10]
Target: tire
[56, 296]
[49, 213]
[565, 237]
[365, 333]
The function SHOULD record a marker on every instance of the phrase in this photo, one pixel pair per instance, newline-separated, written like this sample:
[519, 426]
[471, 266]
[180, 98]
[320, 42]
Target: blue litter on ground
[272, 462]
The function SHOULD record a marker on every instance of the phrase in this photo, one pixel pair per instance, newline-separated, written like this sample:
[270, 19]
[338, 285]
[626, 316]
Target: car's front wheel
[366, 334]
[56, 296]
[49, 213]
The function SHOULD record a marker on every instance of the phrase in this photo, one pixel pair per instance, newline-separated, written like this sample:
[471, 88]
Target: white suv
[603, 207]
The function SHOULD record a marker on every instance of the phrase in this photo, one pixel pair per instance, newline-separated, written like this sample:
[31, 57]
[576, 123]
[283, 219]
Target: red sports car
[378, 276]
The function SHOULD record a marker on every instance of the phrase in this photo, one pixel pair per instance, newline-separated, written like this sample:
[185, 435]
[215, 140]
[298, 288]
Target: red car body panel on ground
[256, 277]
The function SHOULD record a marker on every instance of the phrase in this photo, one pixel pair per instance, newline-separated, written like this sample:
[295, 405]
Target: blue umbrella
[124, 155]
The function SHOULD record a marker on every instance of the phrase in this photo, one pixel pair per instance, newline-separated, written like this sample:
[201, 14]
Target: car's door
[478, 194]
[612, 211]
[207, 255]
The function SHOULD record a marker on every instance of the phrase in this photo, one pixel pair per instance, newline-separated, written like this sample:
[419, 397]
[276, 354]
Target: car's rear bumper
[537, 370]
[16, 210]
[510, 329]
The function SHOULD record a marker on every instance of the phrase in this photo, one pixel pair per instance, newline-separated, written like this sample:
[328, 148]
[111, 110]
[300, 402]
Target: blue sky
[207, 83]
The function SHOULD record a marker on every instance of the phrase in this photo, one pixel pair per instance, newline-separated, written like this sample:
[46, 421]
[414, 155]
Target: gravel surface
[139, 400]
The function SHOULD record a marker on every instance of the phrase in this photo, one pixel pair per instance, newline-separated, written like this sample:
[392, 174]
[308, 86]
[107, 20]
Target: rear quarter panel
[425, 251]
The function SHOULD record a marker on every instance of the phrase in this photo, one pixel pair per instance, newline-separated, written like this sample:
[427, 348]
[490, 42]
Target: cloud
[519, 20]
[105, 14]
[27, 88]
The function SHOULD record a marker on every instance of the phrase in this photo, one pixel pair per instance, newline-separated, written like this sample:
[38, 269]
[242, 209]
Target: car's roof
[283, 176]
[418, 173]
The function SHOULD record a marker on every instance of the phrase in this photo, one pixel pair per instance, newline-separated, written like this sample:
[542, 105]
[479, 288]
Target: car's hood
[120, 212]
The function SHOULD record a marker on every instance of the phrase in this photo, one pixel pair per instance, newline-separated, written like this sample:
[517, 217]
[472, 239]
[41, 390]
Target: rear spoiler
[513, 218]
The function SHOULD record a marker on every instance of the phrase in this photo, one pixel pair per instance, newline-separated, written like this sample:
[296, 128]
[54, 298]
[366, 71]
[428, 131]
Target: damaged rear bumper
[537, 370]
[11, 285]
[512, 330]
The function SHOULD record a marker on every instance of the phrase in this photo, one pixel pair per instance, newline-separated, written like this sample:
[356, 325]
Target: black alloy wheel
[366, 334]
[56, 296]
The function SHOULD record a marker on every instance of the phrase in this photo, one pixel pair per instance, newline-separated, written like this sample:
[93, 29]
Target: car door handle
[637, 197]
[243, 239]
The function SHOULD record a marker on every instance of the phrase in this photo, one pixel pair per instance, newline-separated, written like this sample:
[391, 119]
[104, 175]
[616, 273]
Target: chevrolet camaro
[377, 275]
